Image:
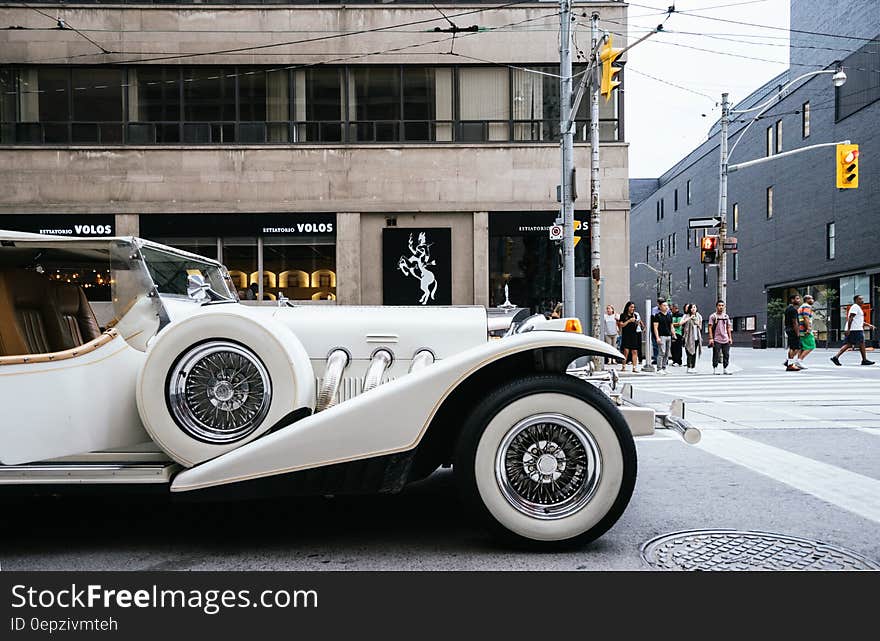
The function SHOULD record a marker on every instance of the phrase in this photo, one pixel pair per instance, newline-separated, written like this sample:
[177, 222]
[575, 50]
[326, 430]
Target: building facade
[323, 151]
[796, 232]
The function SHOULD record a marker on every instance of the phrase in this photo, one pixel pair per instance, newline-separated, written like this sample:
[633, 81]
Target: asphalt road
[790, 453]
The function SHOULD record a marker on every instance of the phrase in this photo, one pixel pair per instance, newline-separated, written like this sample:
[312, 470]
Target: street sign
[555, 232]
[729, 243]
[704, 223]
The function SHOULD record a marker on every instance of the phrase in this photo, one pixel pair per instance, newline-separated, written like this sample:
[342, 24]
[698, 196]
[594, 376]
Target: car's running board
[72, 474]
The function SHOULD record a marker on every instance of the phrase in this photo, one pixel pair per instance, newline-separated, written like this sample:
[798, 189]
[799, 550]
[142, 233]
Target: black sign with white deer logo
[417, 266]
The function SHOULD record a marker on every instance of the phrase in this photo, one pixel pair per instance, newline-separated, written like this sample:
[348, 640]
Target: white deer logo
[417, 267]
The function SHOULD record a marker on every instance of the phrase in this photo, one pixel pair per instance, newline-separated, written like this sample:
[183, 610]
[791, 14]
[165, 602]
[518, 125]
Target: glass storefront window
[240, 258]
[299, 271]
[206, 246]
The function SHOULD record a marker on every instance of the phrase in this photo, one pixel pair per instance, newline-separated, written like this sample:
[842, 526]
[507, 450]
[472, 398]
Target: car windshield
[170, 272]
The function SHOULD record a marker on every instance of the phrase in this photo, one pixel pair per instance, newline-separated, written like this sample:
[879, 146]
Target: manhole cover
[719, 550]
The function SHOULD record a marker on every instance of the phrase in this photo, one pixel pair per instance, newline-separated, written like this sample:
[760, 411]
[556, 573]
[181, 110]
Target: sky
[664, 122]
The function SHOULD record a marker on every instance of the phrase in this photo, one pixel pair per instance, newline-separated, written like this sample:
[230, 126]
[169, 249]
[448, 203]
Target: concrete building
[795, 230]
[296, 141]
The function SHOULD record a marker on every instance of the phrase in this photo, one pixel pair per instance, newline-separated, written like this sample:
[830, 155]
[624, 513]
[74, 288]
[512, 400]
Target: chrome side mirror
[197, 288]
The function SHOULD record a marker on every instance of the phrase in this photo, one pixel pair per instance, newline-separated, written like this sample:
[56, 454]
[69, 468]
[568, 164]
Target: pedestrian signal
[607, 56]
[847, 166]
[709, 249]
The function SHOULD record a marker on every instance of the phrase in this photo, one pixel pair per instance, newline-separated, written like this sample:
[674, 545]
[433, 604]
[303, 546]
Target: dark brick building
[795, 229]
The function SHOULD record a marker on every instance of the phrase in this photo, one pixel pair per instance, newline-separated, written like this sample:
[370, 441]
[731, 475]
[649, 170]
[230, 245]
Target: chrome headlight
[219, 392]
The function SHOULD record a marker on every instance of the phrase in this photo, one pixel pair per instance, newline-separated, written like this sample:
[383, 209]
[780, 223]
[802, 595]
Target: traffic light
[607, 56]
[847, 166]
[709, 249]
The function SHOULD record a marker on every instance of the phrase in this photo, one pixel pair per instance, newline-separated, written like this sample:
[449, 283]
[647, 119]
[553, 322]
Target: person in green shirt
[677, 340]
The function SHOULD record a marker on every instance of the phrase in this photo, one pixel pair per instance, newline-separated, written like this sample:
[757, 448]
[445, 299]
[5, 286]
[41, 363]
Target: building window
[675, 202]
[674, 243]
[705, 275]
[735, 266]
[251, 105]
[689, 192]
[861, 88]
[769, 141]
[687, 237]
[689, 279]
[696, 238]
[769, 202]
[648, 254]
[662, 209]
[805, 120]
[735, 216]
[830, 234]
[778, 136]
[658, 211]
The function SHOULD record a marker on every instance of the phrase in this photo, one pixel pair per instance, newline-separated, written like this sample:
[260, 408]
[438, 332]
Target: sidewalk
[704, 368]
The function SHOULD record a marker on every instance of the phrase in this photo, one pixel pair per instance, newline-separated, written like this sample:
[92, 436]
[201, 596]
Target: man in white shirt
[855, 331]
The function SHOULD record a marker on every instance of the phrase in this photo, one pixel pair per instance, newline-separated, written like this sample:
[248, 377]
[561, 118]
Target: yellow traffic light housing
[607, 55]
[847, 166]
[709, 249]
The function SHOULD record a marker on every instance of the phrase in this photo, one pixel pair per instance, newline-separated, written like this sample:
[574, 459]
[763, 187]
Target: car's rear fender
[395, 416]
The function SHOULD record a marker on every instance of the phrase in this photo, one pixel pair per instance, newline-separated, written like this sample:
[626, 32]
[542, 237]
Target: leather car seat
[78, 322]
[33, 307]
[38, 316]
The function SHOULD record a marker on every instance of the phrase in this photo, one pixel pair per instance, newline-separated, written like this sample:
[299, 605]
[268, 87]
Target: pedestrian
[661, 323]
[609, 324]
[628, 324]
[720, 338]
[805, 328]
[677, 340]
[792, 334]
[640, 327]
[692, 333]
[654, 311]
[855, 331]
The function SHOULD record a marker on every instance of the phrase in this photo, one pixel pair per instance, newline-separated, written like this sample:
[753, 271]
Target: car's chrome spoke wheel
[548, 466]
[219, 392]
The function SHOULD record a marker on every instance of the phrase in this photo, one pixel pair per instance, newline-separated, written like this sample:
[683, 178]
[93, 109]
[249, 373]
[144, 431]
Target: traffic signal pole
[566, 124]
[722, 199]
[595, 212]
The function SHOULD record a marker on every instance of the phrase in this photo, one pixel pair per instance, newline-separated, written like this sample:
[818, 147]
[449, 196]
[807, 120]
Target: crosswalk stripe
[853, 492]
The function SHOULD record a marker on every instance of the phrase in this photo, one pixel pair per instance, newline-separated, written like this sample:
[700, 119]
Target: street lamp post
[838, 79]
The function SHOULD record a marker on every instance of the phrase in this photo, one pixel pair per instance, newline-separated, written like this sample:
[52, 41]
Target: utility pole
[595, 250]
[565, 85]
[722, 199]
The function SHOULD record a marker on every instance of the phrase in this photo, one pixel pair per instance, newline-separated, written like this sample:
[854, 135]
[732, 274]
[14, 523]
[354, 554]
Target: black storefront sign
[86, 225]
[525, 223]
[311, 226]
[417, 266]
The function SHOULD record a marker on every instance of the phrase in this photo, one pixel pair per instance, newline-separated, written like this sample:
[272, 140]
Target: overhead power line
[63, 25]
[322, 38]
[691, 12]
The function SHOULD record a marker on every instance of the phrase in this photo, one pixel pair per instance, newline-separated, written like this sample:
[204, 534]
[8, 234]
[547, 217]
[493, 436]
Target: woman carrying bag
[691, 330]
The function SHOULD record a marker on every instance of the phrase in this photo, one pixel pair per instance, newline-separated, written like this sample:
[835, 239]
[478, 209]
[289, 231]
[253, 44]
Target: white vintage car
[183, 388]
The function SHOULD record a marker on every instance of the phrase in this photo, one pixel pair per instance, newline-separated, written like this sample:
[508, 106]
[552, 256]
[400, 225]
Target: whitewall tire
[218, 380]
[547, 460]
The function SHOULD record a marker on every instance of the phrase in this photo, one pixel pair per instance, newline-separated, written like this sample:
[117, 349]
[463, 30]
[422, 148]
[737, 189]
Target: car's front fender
[392, 418]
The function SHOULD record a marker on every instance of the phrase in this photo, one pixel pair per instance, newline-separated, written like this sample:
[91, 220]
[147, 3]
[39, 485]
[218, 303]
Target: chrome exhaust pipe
[336, 364]
[422, 359]
[381, 360]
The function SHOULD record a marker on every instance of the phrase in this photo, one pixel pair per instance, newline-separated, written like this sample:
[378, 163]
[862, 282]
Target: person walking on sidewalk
[792, 333]
[609, 326]
[720, 338]
[629, 336]
[692, 327]
[805, 326]
[661, 324]
[677, 340]
[855, 331]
